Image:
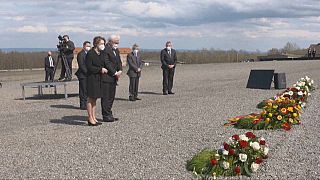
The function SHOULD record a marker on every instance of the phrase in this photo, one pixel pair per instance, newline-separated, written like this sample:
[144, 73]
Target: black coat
[166, 59]
[94, 64]
[47, 63]
[112, 64]
[82, 71]
[134, 63]
[68, 48]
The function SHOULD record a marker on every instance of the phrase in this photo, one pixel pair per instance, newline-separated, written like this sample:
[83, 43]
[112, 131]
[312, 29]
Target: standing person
[309, 52]
[109, 82]
[168, 58]
[95, 63]
[82, 74]
[67, 49]
[49, 67]
[134, 72]
[314, 53]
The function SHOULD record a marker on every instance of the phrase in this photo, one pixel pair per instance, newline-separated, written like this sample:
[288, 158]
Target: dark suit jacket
[134, 63]
[166, 59]
[68, 49]
[47, 63]
[82, 71]
[112, 64]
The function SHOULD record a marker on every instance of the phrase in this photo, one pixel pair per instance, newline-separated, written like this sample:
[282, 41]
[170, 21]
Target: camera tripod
[62, 58]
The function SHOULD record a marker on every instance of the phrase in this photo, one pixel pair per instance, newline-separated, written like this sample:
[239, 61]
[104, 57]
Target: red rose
[226, 146]
[231, 152]
[237, 169]
[259, 160]
[250, 135]
[286, 126]
[255, 122]
[236, 137]
[214, 162]
[243, 144]
[262, 142]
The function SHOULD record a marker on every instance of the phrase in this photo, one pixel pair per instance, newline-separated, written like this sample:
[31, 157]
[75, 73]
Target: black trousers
[134, 86]
[167, 81]
[107, 100]
[49, 74]
[83, 92]
[63, 68]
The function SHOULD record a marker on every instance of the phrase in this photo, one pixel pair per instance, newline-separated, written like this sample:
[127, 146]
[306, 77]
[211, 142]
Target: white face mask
[135, 51]
[87, 48]
[115, 46]
[101, 47]
[169, 48]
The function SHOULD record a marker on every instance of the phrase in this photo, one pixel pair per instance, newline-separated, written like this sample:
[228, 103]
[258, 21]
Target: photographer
[67, 49]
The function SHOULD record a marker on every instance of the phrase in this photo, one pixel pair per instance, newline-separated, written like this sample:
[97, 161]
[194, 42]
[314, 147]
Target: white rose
[265, 151]
[290, 93]
[254, 167]
[255, 146]
[309, 94]
[294, 85]
[300, 93]
[243, 137]
[217, 156]
[225, 152]
[303, 105]
[225, 165]
[298, 87]
[243, 157]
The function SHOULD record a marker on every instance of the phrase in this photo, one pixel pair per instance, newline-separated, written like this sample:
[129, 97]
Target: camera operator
[67, 49]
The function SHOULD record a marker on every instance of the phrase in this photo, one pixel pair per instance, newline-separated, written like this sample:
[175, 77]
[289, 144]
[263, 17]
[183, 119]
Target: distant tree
[274, 51]
[289, 47]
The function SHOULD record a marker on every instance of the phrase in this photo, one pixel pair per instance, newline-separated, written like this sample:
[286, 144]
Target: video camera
[61, 44]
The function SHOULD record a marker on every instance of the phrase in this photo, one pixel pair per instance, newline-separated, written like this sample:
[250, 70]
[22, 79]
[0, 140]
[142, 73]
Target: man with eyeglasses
[114, 66]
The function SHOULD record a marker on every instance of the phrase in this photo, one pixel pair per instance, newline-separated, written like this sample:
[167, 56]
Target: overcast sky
[189, 24]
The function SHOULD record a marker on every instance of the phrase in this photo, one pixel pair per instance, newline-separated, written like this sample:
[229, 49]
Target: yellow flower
[269, 104]
[295, 114]
[264, 112]
[275, 107]
[290, 109]
[270, 114]
[299, 107]
[267, 120]
[279, 117]
[290, 120]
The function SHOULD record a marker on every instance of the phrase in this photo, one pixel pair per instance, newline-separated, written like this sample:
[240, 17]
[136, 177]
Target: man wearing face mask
[82, 74]
[49, 67]
[134, 72]
[114, 66]
[168, 59]
[68, 47]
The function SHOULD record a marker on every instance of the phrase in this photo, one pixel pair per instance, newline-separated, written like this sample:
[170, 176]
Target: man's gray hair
[135, 46]
[113, 37]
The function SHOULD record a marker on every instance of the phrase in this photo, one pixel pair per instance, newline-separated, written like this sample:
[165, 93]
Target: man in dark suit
[109, 82]
[82, 74]
[134, 72]
[68, 47]
[168, 58]
[49, 67]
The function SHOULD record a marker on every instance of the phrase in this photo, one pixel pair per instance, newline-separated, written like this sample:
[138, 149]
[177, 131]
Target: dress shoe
[91, 124]
[110, 119]
[61, 79]
[132, 99]
[165, 93]
[170, 92]
[136, 98]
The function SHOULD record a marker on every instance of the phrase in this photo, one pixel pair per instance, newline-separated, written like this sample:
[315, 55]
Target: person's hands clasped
[104, 71]
[139, 70]
[170, 66]
[118, 73]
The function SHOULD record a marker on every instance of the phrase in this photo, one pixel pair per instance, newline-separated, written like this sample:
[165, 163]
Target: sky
[190, 24]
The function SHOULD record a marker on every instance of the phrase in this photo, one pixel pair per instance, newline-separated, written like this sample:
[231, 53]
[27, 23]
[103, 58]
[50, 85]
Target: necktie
[169, 52]
[114, 52]
[50, 61]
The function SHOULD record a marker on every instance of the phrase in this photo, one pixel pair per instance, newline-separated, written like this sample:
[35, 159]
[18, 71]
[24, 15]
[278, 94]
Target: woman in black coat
[95, 62]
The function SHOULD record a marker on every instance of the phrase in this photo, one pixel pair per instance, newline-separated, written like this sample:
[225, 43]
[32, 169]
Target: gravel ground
[48, 138]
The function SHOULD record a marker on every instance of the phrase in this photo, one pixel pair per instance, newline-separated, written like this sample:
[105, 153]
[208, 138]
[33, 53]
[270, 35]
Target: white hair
[114, 37]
